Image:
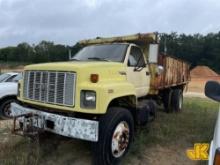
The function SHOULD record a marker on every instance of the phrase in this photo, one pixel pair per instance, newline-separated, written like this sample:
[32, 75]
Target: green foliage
[197, 49]
[45, 51]
[195, 124]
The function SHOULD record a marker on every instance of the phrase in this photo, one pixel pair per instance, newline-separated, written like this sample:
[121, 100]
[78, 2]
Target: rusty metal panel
[140, 38]
[176, 72]
[63, 125]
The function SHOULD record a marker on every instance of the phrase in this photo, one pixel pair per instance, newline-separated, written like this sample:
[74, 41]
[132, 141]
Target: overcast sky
[67, 21]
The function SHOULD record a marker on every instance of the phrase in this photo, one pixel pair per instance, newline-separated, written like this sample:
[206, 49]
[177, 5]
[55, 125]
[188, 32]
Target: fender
[8, 89]
[106, 92]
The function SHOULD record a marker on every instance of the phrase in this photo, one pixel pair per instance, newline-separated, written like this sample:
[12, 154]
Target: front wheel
[116, 130]
[5, 111]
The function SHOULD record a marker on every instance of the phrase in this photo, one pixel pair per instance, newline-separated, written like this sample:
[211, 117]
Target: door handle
[147, 73]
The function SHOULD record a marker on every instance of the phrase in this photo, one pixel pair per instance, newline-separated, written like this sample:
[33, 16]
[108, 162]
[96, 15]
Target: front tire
[116, 129]
[5, 112]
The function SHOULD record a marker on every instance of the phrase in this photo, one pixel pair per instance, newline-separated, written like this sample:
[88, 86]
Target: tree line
[197, 49]
[45, 51]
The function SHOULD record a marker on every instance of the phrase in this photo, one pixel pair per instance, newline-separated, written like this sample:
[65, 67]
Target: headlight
[88, 99]
[217, 157]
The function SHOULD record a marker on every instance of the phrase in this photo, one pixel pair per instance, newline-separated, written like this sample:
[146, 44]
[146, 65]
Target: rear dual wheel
[167, 96]
[177, 100]
[173, 100]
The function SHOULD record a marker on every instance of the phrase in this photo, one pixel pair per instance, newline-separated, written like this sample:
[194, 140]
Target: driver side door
[137, 71]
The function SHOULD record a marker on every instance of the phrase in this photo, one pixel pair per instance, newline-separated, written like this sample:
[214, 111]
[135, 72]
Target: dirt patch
[164, 155]
[5, 127]
[194, 94]
[55, 150]
[199, 76]
[198, 84]
[203, 71]
[5, 68]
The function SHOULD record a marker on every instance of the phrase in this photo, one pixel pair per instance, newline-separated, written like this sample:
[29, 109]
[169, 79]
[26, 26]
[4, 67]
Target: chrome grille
[50, 87]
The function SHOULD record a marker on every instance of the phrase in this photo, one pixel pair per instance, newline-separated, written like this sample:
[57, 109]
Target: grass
[175, 132]
[195, 124]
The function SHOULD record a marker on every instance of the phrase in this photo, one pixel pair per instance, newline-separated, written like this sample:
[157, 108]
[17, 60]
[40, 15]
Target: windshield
[106, 52]
[3, 77]
[17, 78]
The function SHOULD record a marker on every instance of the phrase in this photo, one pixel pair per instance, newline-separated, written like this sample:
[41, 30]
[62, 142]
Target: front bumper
[67, 126]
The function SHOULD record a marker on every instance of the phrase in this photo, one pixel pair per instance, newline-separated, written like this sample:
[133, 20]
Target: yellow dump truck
[108, 87]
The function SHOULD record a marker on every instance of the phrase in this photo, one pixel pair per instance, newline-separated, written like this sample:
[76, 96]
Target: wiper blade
[99, 59]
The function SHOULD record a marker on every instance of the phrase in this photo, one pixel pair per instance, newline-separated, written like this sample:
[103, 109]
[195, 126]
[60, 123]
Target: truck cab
[130, 55]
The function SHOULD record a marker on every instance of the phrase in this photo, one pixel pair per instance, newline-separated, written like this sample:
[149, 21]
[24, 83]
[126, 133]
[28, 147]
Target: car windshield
[3, 77]
[105, 52]
[17, 78]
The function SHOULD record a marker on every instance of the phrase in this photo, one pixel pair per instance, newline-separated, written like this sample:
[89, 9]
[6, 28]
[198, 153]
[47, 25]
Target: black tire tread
[167, 96]
[175, 99]
[107, 123]
[3, 104]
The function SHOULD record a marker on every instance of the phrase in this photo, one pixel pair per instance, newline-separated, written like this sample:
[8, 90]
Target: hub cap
[7, 111]
[120, 139]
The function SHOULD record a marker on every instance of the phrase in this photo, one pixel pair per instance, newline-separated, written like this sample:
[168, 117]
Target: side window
[136, 57]
[10, 79]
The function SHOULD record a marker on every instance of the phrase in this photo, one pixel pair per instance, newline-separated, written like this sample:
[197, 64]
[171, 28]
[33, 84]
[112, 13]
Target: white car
[8, 77]
[8, 93]
[212, 90]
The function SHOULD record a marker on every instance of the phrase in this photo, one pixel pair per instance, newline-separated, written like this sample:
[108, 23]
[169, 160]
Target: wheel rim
[180, 102]
[120, 139]
[7, 111]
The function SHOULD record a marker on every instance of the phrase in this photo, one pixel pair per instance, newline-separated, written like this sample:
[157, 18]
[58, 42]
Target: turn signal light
[94, 78]
[217, 157]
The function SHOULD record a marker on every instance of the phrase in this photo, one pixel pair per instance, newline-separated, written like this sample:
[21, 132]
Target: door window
[11, 78]
[135, 58]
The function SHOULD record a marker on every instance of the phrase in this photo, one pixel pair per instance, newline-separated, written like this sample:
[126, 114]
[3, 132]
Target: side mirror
[212, 90]
[153, 53]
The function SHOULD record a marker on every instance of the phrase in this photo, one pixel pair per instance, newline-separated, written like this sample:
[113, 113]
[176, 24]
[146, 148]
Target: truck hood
[73, 65]
[108, 71]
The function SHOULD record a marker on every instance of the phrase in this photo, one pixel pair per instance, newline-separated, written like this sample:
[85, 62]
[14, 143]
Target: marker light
[94, 78]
